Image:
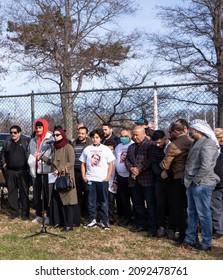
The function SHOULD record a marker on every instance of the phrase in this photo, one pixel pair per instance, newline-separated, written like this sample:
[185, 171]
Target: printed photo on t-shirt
[123, 157]
[95, 160]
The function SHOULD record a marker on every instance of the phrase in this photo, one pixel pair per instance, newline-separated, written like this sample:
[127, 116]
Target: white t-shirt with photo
[96, 159]
[120, 154]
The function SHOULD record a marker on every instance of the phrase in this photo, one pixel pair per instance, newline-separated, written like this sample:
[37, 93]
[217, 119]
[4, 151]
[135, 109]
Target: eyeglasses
[13, 132]
[56, 134]
[220, 138]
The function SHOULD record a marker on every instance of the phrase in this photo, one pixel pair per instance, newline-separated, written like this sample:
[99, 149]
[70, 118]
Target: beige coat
[62, 158]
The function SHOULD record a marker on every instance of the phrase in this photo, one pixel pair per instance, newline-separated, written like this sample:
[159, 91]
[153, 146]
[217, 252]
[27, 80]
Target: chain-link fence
[121, 107]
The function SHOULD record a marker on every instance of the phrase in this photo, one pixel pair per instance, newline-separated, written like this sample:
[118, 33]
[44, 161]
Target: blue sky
[144, 19]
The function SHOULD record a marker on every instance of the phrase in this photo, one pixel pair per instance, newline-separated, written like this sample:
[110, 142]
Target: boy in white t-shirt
[96, 169]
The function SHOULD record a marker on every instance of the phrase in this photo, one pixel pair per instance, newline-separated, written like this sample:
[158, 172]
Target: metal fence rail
[121, 106]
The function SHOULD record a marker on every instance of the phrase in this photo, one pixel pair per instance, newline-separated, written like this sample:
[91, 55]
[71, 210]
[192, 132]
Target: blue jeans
[199, 210]
[97, 194]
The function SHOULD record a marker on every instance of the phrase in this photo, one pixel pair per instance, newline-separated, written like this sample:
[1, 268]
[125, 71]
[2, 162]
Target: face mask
[125, 140]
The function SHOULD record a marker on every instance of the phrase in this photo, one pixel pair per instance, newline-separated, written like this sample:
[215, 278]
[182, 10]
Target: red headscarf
[62, 142]
[45, 129]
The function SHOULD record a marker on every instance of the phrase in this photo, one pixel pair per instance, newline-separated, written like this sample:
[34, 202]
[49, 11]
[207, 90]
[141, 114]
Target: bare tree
[193, 44]
[66, 41]
[3, 70]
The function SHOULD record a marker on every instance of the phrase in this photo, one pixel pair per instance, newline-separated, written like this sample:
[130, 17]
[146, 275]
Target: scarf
[204, 128]
[62, 142]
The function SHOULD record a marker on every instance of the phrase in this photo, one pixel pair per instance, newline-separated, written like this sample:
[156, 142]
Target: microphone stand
[43, 229]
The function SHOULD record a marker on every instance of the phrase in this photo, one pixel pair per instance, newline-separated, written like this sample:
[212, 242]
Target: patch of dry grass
[90, 244]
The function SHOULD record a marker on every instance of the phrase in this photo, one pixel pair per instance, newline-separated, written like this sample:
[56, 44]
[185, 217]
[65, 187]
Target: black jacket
[219, 169]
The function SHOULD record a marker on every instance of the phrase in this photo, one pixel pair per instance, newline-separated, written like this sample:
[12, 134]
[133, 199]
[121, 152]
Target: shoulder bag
[63, 181]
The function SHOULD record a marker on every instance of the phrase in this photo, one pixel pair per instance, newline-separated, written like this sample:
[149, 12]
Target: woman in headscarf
[64, 208]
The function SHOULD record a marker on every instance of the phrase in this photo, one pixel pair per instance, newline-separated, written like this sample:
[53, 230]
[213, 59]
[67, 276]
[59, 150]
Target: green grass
[90, 244]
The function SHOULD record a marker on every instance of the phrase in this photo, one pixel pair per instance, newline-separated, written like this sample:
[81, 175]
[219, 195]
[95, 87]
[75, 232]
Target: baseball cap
[141, 121]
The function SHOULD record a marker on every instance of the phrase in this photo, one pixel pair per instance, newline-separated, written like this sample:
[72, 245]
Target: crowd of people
[168, 184]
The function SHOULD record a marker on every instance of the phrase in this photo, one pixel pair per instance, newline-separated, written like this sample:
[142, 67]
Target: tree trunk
[220, 106]
[67, 106]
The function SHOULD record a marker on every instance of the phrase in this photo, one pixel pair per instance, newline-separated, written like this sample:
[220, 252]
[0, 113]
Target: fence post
[213, 114]
[155, 106]
[32, 111]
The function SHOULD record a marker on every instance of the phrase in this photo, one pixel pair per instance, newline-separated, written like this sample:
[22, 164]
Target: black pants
[111, 204]
[37, 193]
[123, 198]
[180, 206]
[18, 192]
[81, 192]
[63, 215]
[143, 199]
[165, 204]
[217, 210]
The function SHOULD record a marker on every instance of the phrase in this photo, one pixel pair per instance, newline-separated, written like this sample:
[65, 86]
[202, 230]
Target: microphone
[50, 142]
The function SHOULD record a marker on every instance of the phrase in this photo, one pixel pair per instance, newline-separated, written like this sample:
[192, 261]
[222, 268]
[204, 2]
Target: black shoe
[124, 223]
[25, 218]
[179, 240]
[13, 217]
[171, 234]
[137, 229]
[201, 248]
[56, 226]
[217, 235]
[152, 234]
[185, 245]
[161, 232]
[67, 229]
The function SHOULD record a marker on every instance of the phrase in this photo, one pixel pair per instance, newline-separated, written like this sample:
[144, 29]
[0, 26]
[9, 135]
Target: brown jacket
[62, 158]
[176, 155]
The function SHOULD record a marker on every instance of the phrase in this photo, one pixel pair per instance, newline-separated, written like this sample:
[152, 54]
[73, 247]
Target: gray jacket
[201, 160]
[44, 148]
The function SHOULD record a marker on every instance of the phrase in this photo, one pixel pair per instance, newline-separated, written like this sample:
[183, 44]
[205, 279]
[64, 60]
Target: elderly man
[200, 180]
[141, 181]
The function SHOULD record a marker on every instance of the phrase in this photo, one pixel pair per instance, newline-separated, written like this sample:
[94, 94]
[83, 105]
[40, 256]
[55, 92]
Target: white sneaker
[105, 226]
[47, 221]
[38, 219]
[92, 224]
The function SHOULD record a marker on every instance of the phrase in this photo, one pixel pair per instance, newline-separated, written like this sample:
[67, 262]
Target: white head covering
[204, 127]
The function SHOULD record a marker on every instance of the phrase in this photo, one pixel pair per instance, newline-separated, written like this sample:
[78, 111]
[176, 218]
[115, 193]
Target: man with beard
[175, 159]
[109, 135]
[79, 144]
[200, 181]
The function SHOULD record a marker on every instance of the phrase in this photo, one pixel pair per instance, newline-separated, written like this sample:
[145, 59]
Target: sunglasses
[56, 134]
[220, 138]
[13, 132]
